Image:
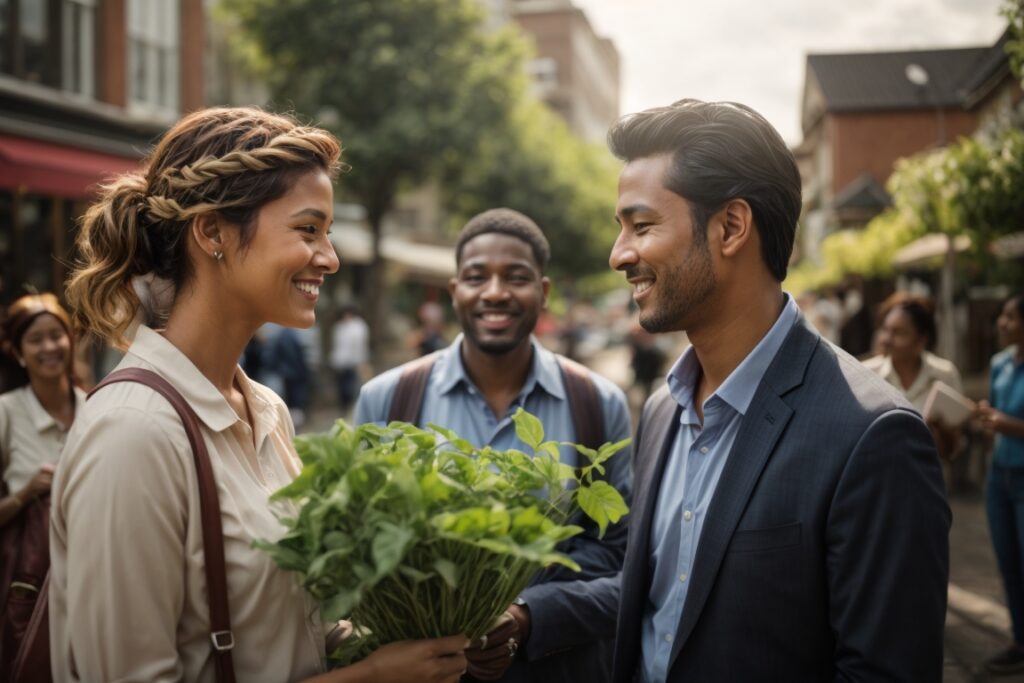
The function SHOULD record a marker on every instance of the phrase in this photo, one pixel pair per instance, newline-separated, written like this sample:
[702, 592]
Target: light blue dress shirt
[698, 456]
[453, 401]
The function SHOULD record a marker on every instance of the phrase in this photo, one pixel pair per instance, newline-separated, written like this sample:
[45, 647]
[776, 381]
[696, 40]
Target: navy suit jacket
[825, 552]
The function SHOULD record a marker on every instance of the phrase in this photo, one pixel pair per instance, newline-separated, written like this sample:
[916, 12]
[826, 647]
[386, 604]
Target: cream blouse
[127, 584]
[933, 369]
[29, 436]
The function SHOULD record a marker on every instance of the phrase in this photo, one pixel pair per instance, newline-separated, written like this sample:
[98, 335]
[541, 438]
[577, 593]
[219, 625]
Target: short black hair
[721, 151]
[507, 222]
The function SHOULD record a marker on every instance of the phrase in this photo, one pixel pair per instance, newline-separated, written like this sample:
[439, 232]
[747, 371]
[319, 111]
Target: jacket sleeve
[560, 618]
[576, 613]
[888, 555]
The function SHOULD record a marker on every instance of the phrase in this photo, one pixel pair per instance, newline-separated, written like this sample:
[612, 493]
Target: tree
[410, 86]
[536, 165]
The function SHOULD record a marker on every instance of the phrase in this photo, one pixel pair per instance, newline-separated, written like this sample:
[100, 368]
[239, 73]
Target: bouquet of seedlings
[412, 533]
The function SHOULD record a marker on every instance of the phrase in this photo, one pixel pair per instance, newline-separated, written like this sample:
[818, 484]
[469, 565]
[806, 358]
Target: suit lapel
[763, 424]
[654, 439]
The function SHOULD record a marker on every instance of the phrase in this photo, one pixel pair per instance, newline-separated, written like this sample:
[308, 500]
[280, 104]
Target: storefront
[44, 189]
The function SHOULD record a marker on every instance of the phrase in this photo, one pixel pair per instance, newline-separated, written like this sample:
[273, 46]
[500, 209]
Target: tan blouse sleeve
[124, 502]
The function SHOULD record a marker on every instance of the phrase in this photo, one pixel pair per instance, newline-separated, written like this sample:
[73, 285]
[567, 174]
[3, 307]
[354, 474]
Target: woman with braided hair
[226, 229]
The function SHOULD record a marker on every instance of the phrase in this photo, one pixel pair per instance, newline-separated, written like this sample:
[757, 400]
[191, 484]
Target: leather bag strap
[209, 510]
[407, 400]
[585, 404]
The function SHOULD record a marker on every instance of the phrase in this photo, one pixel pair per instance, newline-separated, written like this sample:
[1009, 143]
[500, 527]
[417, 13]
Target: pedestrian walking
[350, 354]
[233, 207]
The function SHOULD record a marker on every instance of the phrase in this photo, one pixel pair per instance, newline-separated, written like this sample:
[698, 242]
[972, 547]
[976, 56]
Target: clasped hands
[489, 657]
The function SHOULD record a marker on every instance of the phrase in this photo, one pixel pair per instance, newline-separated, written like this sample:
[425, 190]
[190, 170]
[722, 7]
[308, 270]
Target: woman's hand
[39, 485]
[439, 660]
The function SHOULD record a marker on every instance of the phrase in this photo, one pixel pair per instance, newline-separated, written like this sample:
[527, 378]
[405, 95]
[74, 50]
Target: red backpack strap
[209, 509]
[407, 400]
[585, 404]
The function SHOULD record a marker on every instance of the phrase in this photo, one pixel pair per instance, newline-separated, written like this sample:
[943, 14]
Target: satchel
[33, 664]
[24, 564]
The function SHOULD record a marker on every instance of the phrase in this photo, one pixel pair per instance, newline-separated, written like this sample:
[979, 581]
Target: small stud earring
[21, 362]
[218, 255]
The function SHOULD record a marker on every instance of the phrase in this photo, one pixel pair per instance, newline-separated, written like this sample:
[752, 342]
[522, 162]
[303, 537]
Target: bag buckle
[222, 640]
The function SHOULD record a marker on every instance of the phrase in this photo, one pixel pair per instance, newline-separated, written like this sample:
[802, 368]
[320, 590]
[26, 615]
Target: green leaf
[389, 546]
[448, 571]
[602, 503]
[528, 428]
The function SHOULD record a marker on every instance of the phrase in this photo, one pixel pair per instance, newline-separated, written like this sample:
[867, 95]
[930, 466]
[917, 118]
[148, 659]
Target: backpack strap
[407, 400]
[584, 403]
[209, 510]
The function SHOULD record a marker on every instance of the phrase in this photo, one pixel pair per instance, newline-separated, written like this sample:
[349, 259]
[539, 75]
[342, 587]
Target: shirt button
[668, 637]
[682, 577]
[687, 515]
[704, 449]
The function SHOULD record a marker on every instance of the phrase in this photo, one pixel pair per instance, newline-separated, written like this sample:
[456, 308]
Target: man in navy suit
[789, 519]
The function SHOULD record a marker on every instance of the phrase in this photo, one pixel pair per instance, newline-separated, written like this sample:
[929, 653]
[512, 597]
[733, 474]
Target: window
[153, 56]
[78, 52]
[26, 41]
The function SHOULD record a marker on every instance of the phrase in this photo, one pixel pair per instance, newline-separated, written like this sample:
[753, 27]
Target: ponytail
[111, 251]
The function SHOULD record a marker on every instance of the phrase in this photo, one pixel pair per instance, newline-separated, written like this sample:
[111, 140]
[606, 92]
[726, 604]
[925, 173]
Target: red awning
[46, 168]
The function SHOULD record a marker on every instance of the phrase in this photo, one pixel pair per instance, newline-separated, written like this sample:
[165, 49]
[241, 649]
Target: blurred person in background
[284, 363]
[429, 337]
[35, 414]
[232, 210]
[1003, 416]
[350, 354]
[647, 360]
[906, 334]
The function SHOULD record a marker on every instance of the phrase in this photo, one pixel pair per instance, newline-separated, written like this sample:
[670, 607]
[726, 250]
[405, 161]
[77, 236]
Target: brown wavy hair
[229, 161]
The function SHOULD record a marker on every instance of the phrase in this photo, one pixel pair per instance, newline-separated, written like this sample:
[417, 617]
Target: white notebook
[948, 405]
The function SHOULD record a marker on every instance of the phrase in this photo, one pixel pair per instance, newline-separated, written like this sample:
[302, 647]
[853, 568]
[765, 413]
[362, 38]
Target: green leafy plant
[413, 533]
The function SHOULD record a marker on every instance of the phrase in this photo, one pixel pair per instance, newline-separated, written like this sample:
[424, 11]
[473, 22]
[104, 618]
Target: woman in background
[37, 411]
[37, 356]
[1003, 416]
[228, 226]
[905, 337]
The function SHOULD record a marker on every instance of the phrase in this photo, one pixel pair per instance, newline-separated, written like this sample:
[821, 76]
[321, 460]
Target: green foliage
[1013, 10]
[414, 533]
[970, 188]
[533, 163]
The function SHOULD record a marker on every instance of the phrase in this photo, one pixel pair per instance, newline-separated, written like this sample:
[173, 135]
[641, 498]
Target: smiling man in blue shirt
[473, 387]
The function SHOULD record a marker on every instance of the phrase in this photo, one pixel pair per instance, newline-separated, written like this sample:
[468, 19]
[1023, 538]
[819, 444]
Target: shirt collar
[544, 370]
[41, 419]
[738, 388]
[210, 405]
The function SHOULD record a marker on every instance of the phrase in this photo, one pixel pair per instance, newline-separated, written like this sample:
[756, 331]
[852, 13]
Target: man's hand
[489, 658]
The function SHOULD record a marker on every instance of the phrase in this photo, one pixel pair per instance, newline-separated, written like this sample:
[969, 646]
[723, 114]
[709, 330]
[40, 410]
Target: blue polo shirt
[1007, 394]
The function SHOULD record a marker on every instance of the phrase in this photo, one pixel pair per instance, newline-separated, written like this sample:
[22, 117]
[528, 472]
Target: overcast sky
[754, 51]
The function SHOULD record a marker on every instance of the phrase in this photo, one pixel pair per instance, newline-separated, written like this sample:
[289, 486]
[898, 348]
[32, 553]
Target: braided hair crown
[229, 161]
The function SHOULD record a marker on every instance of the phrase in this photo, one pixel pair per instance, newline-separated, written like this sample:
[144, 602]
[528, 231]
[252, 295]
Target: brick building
[575, 71]
[86, 87]
[862, 112]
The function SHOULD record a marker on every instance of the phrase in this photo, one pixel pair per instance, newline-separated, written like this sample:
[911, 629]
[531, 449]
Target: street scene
[319, 217]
